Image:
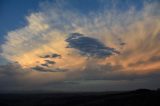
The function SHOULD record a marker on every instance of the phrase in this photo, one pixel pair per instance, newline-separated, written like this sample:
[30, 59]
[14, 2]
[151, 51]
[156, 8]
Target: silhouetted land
[141, 97]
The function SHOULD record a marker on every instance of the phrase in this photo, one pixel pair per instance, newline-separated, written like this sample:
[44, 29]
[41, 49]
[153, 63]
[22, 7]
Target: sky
[79, 45]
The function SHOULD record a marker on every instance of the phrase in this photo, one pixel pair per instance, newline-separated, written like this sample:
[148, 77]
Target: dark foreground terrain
[141, 97]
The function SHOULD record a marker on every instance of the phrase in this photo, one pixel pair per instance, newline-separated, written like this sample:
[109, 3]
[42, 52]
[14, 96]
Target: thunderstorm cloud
[60, 48]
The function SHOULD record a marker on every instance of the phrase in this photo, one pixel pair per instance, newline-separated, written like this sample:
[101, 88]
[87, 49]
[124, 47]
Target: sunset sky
[79, 45]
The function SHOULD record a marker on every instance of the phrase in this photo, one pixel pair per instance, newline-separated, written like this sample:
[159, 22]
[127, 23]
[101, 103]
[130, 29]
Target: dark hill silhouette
[142, 91]
[140, 97]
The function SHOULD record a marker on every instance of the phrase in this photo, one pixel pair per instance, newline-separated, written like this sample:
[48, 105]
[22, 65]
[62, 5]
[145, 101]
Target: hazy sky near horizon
[79, 45]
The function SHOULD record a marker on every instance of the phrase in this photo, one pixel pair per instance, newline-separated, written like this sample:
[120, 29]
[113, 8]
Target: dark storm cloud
[39, 68]
[46, 56]
[46, 65]
[53, 55]
[42, 69]
[50, 62]
[89, 46]
[122, 43]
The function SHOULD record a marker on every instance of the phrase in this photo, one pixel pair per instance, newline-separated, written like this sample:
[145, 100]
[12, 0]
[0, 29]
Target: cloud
[89, 46]
[50, 62]
[47, 34]
[53, 55]
[3, 60]
[11, 69]
[45, 65]
[46, 56]
[56, 55]
[42, 69]
[13, 78]
[47, 51]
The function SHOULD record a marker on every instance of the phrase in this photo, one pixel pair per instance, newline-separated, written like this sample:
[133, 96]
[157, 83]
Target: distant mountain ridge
[139, 97]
